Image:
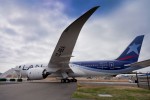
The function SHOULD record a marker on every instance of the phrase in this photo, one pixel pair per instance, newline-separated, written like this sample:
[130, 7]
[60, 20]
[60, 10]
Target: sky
[30, 29]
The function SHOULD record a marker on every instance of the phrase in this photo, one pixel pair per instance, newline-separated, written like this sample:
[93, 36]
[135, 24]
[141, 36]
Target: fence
[143, 81]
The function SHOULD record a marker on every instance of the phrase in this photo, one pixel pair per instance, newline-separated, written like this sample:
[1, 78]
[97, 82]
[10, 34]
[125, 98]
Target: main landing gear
[68, 80]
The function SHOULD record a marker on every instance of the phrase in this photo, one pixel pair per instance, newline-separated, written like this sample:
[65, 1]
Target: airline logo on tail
[134, 48]
[131, 53]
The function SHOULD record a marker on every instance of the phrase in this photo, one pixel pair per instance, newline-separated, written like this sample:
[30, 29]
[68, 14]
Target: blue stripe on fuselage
[103, 65]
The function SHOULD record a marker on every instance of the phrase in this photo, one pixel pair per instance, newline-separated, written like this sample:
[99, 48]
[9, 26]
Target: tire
[19, 80]
[12, 80]
[3, 79]
[67, 80]
[74, 80]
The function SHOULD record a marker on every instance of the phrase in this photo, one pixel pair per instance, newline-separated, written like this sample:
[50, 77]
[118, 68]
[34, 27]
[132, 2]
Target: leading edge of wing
[64, 48]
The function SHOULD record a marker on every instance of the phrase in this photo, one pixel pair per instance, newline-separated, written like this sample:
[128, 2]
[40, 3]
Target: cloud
[29, 33]
[108, 36]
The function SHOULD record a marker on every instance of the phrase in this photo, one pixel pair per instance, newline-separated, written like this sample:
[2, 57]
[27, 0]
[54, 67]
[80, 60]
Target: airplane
[60, 65]
[133, 77]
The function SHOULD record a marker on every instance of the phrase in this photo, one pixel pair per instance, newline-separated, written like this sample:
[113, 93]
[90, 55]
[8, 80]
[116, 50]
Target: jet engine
[37, 73]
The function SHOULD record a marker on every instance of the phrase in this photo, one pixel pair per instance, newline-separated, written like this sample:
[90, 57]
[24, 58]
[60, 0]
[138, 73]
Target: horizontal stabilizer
[142, 64]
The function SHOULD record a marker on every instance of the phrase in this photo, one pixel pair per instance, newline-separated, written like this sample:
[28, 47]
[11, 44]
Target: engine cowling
[37, 73]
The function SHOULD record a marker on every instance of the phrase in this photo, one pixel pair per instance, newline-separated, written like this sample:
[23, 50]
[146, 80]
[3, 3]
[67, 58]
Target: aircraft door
[111, 64]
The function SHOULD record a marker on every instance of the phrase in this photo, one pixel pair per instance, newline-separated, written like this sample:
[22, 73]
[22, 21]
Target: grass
[118, 93]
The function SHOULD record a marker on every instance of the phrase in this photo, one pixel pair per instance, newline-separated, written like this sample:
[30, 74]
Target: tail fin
[132, 52]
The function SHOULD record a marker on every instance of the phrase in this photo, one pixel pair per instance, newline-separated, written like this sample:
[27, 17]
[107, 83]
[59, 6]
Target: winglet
[83, 18]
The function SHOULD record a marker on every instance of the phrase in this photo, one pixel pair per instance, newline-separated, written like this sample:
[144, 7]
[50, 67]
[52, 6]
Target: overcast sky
[30, 29]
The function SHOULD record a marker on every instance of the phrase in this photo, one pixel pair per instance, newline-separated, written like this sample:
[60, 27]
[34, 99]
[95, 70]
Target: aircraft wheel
[74, 80]
[71, 80]
[67, 81]
[62, 80]
[19, 80]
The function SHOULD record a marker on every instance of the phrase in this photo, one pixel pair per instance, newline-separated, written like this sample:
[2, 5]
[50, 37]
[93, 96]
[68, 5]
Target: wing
[64, 48]
[141, 64]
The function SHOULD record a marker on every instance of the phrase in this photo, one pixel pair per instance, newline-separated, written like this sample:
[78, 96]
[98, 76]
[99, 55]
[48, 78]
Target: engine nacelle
[37, 73]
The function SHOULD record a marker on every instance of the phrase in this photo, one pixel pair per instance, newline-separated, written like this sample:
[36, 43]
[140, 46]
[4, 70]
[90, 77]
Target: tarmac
[109, 83]
[37, 91]
[45, 90]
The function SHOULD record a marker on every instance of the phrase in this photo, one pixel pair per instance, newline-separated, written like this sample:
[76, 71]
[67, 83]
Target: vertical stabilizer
[132, 52]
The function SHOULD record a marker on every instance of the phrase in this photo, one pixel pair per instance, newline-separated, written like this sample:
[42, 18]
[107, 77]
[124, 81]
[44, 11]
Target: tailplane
[132, 52]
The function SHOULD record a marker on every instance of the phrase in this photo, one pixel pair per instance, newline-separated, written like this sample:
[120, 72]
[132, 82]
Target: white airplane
[60, 65]
[125, 76]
